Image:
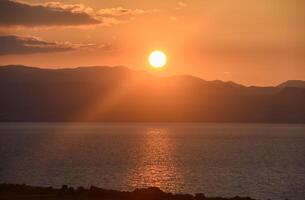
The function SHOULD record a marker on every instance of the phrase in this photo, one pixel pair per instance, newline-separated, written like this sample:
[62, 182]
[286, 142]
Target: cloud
[112, 16]
[74, 8]
[119, 11]
[181, 5]
[14, 13]
[11, 44]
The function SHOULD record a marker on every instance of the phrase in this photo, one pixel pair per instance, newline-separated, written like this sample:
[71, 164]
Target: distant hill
[119, 94]
[293, 83]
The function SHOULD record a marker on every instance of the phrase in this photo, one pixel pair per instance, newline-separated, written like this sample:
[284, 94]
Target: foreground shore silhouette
[25, 192]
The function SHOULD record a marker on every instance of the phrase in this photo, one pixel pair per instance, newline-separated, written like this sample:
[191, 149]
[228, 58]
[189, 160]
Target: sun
[157, 59]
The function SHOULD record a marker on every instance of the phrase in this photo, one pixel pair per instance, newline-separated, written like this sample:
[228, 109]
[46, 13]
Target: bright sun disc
[157, 59]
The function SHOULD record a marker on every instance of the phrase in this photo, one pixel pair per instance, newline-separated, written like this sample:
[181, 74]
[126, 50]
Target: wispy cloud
[119, 15]
[119, 11]
[12, 44]
[181, 5]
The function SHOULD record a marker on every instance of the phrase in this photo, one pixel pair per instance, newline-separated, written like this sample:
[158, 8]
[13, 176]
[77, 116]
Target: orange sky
[253, 42]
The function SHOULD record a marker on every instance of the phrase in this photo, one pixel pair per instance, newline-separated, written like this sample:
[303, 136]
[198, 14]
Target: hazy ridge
[120, 94]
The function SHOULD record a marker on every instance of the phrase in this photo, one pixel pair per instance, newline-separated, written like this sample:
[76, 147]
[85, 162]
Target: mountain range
[118, 94]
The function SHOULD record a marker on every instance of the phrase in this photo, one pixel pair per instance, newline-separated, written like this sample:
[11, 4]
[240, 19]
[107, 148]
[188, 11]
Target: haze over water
[258, 160]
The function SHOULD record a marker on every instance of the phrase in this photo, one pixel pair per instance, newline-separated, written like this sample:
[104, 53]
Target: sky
[253, 42]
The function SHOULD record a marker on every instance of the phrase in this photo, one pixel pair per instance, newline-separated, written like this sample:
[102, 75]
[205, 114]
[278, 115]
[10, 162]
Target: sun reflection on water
[155, 165]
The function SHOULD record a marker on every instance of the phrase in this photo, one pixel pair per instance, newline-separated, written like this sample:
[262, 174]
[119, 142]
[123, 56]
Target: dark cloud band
[20, 14]
[11, 44]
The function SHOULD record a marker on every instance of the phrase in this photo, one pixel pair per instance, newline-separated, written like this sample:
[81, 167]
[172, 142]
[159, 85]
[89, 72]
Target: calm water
[257, 160]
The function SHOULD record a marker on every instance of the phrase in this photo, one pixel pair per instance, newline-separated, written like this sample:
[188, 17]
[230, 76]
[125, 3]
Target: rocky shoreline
[25, 192]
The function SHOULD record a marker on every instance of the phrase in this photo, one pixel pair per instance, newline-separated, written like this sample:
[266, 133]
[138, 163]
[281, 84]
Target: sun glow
[157, 59]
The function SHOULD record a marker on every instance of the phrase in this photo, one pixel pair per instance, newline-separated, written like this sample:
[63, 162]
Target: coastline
[26, 192]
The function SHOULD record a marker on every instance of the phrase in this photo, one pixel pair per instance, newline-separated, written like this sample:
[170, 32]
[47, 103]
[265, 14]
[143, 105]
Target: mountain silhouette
[118, 94]
[293, 83]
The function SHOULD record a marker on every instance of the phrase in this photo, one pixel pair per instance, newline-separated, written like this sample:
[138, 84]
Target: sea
[262, 161]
